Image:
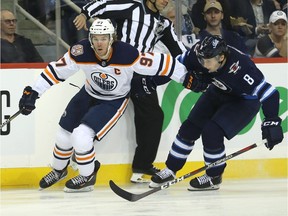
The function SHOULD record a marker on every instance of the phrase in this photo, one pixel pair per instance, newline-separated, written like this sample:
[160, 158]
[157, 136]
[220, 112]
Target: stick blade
[130, 196]
[120, 192]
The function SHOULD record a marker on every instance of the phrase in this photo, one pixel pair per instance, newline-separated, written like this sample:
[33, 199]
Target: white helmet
[102, 26]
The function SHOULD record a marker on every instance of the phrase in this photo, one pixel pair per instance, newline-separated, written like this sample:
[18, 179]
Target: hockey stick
[11, 118]
[134, 197]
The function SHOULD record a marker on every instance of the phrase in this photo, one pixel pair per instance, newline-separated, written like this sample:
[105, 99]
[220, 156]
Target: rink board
[27, 143]
[120, 173]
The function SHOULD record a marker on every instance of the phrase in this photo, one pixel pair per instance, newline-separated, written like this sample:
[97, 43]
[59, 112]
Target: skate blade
[85, 189]
[214, 187]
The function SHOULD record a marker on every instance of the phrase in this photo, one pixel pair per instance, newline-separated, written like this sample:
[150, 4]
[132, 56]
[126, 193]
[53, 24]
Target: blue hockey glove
[196, 83]
[272, 131]
[142, 86]
[27, 101]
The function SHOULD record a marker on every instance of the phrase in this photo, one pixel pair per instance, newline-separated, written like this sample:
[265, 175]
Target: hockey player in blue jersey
[234, 89]
[108, 66]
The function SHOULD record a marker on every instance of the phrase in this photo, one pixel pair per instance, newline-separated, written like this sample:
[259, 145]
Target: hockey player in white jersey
[108, 66]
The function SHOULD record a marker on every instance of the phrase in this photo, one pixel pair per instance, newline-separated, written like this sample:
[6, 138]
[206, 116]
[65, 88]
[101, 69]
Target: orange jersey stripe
[113, 121]
[167, 65]
[50, 75]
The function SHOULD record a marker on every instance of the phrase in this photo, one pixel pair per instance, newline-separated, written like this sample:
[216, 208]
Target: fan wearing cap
[250, 19]
[275, 43]
[198, 8]
[213, 15]
[212, 4]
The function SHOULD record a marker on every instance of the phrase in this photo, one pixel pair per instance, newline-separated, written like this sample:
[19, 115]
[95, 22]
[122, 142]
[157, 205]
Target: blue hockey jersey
[239, 76]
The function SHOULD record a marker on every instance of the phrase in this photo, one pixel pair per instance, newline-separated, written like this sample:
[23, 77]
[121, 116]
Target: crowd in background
[244, 24]
[249, 25]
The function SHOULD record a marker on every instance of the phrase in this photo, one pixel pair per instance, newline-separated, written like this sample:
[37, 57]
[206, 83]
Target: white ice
[264, 197]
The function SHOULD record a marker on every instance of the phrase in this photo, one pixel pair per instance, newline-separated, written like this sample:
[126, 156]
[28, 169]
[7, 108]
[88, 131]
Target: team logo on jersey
[159, 27]
[77, 50]
[234, 67]
[215, 43]
[104, 81]
[220, 85]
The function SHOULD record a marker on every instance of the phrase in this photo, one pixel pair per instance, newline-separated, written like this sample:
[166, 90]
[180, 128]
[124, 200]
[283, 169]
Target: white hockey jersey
[108, 79]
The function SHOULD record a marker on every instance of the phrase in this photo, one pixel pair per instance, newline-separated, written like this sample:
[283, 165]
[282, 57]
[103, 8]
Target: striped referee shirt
[136, 24]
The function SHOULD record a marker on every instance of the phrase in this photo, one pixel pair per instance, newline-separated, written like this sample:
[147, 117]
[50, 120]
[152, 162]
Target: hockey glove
[142, 86]
[272, 131]
[27, 101]
[196, 83]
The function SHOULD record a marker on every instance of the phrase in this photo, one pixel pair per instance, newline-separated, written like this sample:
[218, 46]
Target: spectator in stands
[275, 43]
[250, 19]
[213, 15]
[69, 33]
[277, 4]
[36, 8]
[281, 5]
[188, 36]
[15, 47]
[197, 16]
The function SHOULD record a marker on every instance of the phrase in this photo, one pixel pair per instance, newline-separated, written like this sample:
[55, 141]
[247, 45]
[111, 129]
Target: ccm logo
[172, 182]
[270, 123]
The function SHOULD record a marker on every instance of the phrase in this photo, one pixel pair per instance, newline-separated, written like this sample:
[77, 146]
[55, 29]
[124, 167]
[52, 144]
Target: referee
[140, 24]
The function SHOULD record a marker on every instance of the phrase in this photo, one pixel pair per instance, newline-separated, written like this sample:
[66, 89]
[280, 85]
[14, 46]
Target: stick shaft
[11, 118]
[134, 197]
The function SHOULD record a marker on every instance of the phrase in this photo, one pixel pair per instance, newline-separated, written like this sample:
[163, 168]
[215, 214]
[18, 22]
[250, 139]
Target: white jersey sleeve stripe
[267, 93]
[260, 86]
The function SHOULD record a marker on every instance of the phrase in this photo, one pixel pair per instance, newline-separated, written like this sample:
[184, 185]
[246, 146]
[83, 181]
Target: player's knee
[188, 131]
[63, 138]
[82, 138]
[212, 136]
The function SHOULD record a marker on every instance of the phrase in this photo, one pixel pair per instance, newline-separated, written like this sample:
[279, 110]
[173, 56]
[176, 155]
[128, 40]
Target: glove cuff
[274, 121]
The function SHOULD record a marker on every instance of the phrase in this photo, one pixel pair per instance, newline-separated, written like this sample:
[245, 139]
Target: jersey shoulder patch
[77, 50]
[82, 52]
[238, 61]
